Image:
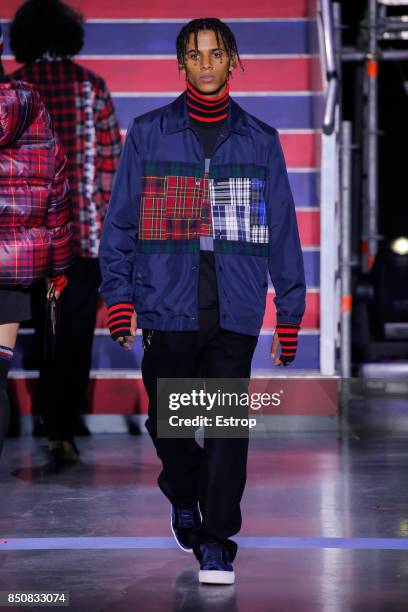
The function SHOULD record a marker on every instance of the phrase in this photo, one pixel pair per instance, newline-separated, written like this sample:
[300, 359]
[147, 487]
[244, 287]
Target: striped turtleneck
[205, 109]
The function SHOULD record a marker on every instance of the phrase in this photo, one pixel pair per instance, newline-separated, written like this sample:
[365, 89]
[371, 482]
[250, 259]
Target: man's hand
[274, 348]
[56, 285]
[122, 324]
[127, 341]
[286, 335]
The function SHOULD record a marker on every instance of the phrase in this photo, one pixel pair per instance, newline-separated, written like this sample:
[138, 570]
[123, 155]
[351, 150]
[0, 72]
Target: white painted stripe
[137, 374]
[300, 131]
[183, 20]
[310, 249]
[309, 331]
[283, 131]
[234, 94]
[290, 169]
[171, 56]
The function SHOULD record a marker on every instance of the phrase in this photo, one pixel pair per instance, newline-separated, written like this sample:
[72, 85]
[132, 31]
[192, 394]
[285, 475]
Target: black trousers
[64, 377]
[216, 473]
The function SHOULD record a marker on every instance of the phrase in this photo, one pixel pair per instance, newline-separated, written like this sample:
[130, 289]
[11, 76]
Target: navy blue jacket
[161, 202]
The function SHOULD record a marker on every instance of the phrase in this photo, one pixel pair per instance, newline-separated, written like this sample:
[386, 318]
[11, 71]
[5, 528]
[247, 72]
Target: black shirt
[207, 285]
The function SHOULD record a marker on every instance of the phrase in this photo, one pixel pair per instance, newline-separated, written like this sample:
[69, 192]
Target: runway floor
[325, 528]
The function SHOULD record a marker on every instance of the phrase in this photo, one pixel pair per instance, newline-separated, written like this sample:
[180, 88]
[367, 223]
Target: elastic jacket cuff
[59, 282]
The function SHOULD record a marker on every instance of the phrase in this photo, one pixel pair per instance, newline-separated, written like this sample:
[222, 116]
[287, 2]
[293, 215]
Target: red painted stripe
[311, 318]
[301, 150]
[137, 75]
[128, 396]
[309, 227]
[127, 9]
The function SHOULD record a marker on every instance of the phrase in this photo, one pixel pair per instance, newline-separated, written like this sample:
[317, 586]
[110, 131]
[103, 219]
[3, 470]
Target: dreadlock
[221, 31]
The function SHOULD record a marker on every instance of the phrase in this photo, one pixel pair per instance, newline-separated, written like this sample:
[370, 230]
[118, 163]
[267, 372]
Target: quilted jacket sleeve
[59, 214]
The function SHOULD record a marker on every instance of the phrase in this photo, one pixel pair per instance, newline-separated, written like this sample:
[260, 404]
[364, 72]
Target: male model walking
[201, 210]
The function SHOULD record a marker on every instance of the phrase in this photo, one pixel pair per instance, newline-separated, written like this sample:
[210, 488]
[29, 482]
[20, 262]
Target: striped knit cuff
[6, 352]
[288, 337]
[119, 317]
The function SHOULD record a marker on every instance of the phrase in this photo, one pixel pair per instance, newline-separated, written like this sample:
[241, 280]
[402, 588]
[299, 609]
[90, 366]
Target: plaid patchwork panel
[238, 210]
[176, 207]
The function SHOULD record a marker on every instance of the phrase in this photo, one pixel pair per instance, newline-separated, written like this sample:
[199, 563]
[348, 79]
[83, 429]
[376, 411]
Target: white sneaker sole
[216, 577]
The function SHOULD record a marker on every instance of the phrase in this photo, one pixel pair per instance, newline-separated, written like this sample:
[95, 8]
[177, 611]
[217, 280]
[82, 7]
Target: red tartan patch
[184, 196]
[178, 229]
[174, 208]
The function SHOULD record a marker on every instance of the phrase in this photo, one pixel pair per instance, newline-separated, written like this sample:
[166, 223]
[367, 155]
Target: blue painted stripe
[145, 542]
[106, 355]
[283, 112]
[305, 187]
[307, 356]
[280, 37]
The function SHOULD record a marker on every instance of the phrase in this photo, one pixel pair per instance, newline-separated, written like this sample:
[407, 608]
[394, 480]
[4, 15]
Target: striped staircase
[132, 45]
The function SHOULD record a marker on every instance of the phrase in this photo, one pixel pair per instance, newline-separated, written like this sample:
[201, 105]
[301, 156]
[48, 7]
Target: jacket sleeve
[119, 234]
[59, 215]
[108, 148]
[285, 255]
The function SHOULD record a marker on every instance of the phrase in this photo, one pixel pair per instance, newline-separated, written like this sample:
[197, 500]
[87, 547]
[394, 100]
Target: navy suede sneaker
[215, 564]
[184, 518]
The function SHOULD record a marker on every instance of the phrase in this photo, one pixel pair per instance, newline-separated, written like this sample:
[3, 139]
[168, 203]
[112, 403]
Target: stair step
[294, 37]
[179, 9]
[296, 74]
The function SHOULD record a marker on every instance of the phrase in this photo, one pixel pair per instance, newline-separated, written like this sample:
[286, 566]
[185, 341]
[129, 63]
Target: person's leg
[223, 465]
[172, 355]
[64, 379]
[8, 336]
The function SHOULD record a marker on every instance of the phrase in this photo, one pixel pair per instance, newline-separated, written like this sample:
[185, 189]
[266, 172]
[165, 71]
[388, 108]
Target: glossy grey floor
[314, 487]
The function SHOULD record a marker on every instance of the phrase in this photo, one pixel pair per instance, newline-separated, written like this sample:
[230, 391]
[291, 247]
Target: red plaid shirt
[84, 118]
[35, 208]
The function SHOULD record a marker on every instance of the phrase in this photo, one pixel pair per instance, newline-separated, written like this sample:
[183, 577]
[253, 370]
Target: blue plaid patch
[238, 209]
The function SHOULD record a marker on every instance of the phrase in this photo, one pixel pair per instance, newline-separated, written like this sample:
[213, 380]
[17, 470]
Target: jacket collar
[177, 118]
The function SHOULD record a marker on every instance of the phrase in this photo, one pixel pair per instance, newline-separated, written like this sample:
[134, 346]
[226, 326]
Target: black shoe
[215, 564]
[184, 518]
[64, 450]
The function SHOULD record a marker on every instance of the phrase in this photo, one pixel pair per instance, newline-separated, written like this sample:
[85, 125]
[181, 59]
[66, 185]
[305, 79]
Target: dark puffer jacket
[35, 206]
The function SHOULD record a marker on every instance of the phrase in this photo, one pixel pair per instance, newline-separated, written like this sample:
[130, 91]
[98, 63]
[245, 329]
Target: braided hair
[221, 30]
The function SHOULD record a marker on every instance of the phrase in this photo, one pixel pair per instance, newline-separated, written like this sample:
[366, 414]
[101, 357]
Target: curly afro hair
[46, 26]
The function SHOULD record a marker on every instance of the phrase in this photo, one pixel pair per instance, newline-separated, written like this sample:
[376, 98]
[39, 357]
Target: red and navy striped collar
[205, 109]
[176, 117]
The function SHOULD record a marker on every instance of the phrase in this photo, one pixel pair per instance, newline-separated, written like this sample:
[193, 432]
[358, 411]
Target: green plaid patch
[238, 171]
[170, 168]
[238, 247]
[168, 246]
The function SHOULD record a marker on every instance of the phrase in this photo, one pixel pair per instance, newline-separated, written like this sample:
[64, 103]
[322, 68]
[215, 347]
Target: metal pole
[372, 135]
[346, 256]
